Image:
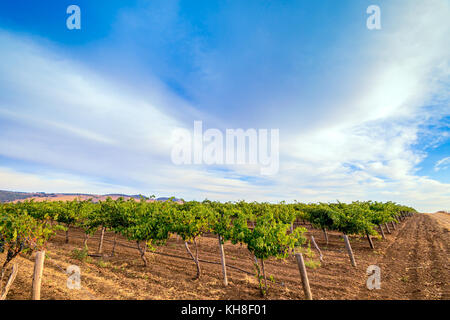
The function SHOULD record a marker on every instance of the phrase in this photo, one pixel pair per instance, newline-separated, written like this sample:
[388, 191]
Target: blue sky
[362, 114]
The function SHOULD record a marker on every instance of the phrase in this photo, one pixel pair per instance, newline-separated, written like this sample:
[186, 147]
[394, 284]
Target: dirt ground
[414, 264]
[443, 218]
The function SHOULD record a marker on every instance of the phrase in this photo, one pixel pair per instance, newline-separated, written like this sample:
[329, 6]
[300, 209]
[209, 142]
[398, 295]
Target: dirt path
[443, 218]
[415, 265]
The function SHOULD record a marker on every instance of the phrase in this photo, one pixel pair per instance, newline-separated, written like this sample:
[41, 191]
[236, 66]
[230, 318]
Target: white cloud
[55, 112]
[370, 152]
[49, 182]
[442, 164]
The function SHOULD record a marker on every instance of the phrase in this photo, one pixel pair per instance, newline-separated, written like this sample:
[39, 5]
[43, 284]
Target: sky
[362, 114]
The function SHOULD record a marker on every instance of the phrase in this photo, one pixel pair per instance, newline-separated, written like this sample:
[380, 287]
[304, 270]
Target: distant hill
[14, 196]
[6, 196]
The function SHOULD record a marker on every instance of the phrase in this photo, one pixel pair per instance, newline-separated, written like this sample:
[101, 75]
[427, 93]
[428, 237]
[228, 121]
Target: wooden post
[325, 234]
[100, 245]
[381, 231]
[317, 248]
[114, 245]
[370, 241]
[222, 259]
[387, 228]
[303, 275]
[12, 277]
[37, 275]
[349, 250]
[393, 225]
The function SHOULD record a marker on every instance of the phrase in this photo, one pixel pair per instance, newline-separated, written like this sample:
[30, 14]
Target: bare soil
[414, 264]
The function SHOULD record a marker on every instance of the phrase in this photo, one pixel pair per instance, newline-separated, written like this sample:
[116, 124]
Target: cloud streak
[442, 164]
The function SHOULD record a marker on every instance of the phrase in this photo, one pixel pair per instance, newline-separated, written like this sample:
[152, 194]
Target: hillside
[7, 196]
[14, 196]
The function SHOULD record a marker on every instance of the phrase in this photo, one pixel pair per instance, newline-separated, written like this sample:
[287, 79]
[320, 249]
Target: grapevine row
[267, 230]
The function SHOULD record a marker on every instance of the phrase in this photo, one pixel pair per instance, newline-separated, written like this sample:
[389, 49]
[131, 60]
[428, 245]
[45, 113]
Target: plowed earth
[414, 262]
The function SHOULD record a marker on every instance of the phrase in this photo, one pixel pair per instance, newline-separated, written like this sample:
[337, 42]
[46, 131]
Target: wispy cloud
[442, 164]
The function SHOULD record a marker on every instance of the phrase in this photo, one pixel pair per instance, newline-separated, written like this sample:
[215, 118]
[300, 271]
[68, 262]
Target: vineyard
[262, 233]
